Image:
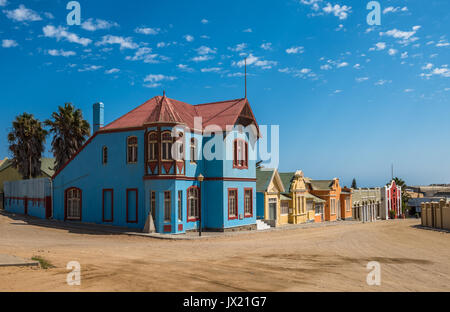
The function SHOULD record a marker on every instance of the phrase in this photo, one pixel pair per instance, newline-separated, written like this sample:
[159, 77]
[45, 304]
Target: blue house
[167, 163]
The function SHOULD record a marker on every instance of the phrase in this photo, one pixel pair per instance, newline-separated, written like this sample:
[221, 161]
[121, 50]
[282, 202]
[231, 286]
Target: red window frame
[251, 202]
[65, 203]
[112, 205]
[188, 205]
[237, 162]
[137, 215]
[237, 206]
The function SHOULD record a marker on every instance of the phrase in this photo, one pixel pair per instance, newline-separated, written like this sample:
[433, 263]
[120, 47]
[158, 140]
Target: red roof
[161, 109]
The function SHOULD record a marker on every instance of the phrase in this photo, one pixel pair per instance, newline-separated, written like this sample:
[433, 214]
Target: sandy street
[332, 258]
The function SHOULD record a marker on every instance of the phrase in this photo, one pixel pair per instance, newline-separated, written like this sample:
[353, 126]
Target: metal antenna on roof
[245, 62]
[164, 93]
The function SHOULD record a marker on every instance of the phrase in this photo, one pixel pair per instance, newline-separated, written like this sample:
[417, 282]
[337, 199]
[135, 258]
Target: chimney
[99, 116]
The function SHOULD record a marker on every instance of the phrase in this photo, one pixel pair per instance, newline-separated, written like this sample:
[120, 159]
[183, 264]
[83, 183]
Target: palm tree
[70, 132]
[26, 142]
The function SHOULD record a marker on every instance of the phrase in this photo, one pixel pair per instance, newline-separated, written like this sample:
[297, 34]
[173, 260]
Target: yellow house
[269, 189]
[9, 173]
[283, 198]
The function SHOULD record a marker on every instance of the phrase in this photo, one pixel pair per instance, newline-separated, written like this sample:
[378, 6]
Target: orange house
[338, 201]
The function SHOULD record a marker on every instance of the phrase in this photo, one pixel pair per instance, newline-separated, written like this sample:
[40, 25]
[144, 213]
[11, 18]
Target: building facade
[283, 198]
[391, 201]
[338, 200]
[9, 174]
[366, 204]
[166, 166]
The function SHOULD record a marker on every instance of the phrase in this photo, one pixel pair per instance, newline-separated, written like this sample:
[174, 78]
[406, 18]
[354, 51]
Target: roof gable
[162, 109]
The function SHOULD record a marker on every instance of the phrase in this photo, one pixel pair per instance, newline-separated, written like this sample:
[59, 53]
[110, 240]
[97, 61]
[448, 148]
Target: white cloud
[97, 24]
[204, 50]
[343, 64]
[382, 82]
[357, 66]
[90, 68]
[3, 2]
[378, 46]
[362, 79]
[408, 90]
[442, 43]
[404, 55]
[8, 43]
[147, 31]
[392, 9]
[211, 69]
[61, 53]
[184, 67]
[188, 38]
[295, 50]
[61, 33]
[125, 43]
[392, 51]
[22, 14]
[266, 46]
[112, 71]
[325, 67]
[153, 81]
[256, 61]
[239, 47]
[405, 37]
[204, 21]
[428, 66]
[202, 58]
[338, 11]
[144, 54]
[248, 30]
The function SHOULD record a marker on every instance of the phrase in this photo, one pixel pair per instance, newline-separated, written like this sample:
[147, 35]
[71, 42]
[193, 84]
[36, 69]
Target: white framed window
[347, 205]
[248, 202]
[152, 146]
[132, 150]
[73, 204]
[193, 150]
[167, 206]
[166, 146]
[193, 203]
[232, 204]
[284, 207]
[180, 206]
[333, 206]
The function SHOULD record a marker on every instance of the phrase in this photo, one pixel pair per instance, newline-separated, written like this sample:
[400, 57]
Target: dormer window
[166, 146]
[104, 155]
[240, 154]
[132, 150]
[152, 146]
[193, 149]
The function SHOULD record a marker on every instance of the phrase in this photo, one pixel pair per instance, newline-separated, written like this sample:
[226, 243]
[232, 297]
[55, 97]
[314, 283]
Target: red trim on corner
[112, 205]
[188, 204]
[137, 216]
[251, 202]
[180, 227]
[237, 206]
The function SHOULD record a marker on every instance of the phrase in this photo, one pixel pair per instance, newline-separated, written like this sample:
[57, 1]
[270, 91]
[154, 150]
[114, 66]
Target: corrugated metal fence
[29, 197]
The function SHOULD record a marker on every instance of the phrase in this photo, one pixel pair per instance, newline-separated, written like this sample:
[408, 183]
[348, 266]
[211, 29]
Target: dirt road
[330, 258]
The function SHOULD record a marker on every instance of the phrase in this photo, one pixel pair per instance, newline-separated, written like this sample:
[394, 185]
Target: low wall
[436, 215]
[29, 197]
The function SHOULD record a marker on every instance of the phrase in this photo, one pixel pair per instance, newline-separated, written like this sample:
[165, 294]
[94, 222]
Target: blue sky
[350, 98]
